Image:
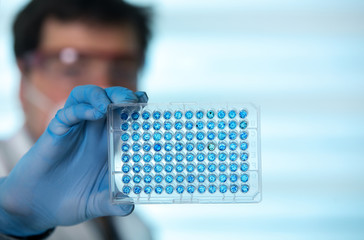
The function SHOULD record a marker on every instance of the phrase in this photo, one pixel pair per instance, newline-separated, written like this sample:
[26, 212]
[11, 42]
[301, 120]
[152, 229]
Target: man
[60, 46]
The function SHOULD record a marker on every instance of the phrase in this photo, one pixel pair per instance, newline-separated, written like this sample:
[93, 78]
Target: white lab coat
[130, 227]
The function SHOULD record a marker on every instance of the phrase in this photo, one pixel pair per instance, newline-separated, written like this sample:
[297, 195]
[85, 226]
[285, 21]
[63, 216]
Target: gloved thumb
[102, 206]
[142, 97]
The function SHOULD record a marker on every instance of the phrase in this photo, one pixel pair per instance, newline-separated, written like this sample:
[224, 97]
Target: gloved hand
[63, 179]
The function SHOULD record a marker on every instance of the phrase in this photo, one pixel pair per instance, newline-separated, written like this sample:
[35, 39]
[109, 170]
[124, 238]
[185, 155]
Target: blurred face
[72, 54]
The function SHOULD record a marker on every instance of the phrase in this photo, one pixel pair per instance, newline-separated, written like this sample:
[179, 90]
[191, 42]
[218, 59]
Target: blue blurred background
[302, 62]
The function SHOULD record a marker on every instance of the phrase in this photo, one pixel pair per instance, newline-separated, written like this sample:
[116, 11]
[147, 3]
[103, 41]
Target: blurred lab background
[302, 62]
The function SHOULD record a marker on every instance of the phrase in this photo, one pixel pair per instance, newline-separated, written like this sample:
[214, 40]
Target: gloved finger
[91, 94]
[142, 96]
[121, 95]
[102, 206]
[67, 117]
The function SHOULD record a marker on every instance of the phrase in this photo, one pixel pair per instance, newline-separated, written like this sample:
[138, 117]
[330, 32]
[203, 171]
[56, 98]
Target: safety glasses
[81, 67]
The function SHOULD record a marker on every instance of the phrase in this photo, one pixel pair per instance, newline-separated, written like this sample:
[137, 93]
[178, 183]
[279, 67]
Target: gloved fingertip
[98, 114]
[102, 206]
[121, 95]
[127, 209]
[142, 96]
[131, 98]
[102, 108]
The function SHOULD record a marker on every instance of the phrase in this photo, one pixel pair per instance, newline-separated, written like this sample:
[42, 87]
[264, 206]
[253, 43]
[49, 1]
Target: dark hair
[29, 22]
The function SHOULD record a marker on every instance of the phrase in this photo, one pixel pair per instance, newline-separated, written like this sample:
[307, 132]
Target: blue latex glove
[63, 179]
